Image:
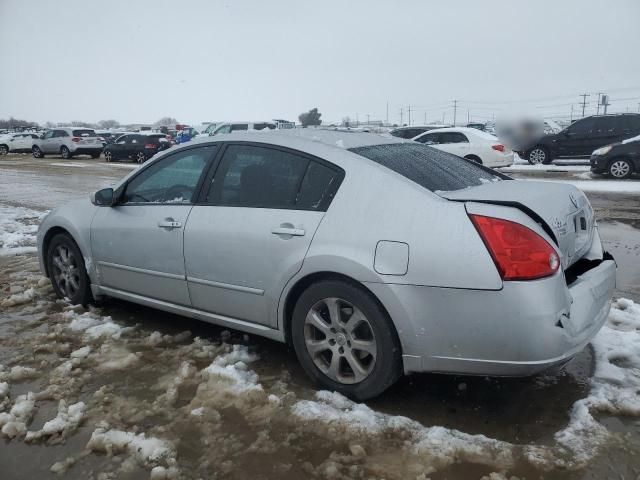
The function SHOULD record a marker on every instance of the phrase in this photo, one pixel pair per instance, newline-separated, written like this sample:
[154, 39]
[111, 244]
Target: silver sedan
[371, 255]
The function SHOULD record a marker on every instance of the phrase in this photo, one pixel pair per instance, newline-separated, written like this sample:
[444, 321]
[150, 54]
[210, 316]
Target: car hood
[562, 210]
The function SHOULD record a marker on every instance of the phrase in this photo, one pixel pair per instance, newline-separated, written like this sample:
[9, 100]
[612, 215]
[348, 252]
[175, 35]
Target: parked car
[67, 142]
[414, 130]
[469, 143]
[620, 160]
[16, 143]
[287, 236]
[477, 126]
[186, 134]
[583, 137]
[243, 127]
[108, 136]
[136, 146]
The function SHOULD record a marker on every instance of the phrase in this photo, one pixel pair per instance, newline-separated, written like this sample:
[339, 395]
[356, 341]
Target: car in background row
[620, 160]
[469, 143]
[413, 131]
[138, 147]
[108, 136]
[583, 137]
[243, 127]
[68, 141]
[16, 143]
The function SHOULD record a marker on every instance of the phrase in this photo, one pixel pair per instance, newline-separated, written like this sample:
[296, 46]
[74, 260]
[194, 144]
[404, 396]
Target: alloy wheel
[620, 169]
[107, 156]
[340, 340]
[66, 273]
[64, 152]
[37, 153]
[537, 156]
[140, 157]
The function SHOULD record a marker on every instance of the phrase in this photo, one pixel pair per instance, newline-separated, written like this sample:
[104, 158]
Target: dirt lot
[123, 391]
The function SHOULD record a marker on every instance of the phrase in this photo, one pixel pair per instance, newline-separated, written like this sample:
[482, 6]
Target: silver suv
[68, 141]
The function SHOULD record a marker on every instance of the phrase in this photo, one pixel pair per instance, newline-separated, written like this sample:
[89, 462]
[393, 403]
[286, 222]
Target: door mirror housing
[103, 198]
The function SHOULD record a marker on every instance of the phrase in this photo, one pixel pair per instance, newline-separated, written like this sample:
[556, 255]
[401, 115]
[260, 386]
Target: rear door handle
[169, 223]
[296, 232]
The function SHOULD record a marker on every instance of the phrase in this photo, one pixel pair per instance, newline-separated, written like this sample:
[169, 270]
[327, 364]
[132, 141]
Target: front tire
[65, 153]
[539, 156]
[4, 150]
[67, 270]
[108, 156]
[345, 341]
[620, 168]
[36, 152]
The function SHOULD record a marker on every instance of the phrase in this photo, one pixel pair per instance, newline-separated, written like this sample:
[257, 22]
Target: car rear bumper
[95, 148]
[520, 330]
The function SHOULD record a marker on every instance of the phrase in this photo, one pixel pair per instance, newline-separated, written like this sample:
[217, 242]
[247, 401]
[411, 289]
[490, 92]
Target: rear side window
[59, 133]
[239, 126]
[262, 126]
[250, 176]
[431, 138]
[453, 137]
[428, 167]
[84, 133]
[318, 187]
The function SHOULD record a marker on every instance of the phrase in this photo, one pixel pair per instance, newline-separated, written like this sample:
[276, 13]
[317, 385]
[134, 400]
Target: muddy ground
[138, 393]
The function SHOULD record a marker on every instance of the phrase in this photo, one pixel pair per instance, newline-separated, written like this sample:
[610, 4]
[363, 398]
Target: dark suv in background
[136, 146]
[581, 138]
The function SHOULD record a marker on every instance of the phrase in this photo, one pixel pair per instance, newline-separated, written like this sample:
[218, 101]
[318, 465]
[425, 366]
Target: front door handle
[296, 232]
[169, 223]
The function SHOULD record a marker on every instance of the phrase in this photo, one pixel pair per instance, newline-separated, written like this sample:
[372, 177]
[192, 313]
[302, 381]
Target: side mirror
[103, 198]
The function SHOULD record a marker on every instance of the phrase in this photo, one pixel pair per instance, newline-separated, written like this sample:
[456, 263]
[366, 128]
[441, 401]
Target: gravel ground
[123, 391]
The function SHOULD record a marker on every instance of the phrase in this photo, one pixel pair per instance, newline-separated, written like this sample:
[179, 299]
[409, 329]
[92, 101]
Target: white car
[243, 127]
[17, 142]
[469, 143]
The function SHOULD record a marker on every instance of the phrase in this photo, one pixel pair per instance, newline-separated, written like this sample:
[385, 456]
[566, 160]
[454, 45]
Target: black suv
[136, 146]
[583, 137]
[620, 160]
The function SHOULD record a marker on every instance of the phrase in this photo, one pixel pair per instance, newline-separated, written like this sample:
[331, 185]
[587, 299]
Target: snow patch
[14, 423]
[66, 421]
[18, 229]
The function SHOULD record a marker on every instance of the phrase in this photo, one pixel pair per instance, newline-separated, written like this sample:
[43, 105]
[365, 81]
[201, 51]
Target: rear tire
[4, 149]
[67, 270]
[539, 156]
[65, 153]
[358, 333]
[620, 168]
[36, 152]
[108, 156]
[141, 157]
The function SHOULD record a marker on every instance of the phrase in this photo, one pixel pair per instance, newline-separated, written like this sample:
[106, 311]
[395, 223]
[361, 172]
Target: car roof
[407, 127]
[466, 130]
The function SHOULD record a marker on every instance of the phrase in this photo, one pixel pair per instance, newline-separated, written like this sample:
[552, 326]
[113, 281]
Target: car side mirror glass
[103, 198]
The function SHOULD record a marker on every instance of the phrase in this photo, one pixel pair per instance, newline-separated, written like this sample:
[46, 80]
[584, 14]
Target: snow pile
[231, 370]
[14, 423]
[19, 298]
[148, 451]
[93, 325]
[18, 373]
[18, 229]
[66, 421]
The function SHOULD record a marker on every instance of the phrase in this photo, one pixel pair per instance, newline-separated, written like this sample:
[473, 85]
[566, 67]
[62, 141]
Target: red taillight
[149, 145]
[75, 139]
[498, 147]
[518, 252]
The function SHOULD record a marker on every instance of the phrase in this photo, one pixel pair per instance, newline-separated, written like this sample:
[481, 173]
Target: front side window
[429, 139]
[251, 176]
[171, 180]
[49, 134]
[239, 126]
[122, 140]
[582, 126]
[60, 133]
[223, 129]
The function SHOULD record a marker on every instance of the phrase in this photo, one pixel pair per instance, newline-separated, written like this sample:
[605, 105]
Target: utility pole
[387, 120]
[357, 120]
[368, 123]
[401, 124]
[605, 102]
[571, 117]
[598, 106]
[425, 118]
[455, 109]
[409, 114]
[468, 116]
[584, 101]
[638, 107]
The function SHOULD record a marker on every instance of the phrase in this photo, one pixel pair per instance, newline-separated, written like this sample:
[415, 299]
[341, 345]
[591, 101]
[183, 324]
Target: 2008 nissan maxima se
[373, 256]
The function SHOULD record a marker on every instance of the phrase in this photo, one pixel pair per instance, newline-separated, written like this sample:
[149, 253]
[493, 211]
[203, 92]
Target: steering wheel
[182, 192]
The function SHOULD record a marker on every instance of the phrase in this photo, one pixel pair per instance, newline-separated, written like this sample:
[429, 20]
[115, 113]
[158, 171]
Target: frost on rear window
[428, 167]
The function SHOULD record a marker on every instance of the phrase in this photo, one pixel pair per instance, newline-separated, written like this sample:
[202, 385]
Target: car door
[577, 139]
[453, 142]
[138, 243]
[133, 145]
[47, 141]
[251, 232]
[117, 148]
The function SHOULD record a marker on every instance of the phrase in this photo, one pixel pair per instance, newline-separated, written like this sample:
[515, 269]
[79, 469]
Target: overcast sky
[136, 61]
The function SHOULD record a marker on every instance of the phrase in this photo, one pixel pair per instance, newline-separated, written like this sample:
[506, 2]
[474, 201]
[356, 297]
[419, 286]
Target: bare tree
[108, 124]
[167, 122]
[310, 118]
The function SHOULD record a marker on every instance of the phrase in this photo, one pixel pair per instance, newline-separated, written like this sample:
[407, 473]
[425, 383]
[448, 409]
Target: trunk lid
[560, 208]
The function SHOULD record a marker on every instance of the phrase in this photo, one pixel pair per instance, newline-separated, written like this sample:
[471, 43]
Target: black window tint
[250, 176]
[84, 133]
[259, 126]
[453, 137]
[582, 126]
[239, 126]
[318, 187]
[59, 133]
[171, 180]
[430, 137]
[428, 167]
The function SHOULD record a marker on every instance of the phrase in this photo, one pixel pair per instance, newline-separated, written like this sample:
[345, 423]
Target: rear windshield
[84, 133]
[428, 167]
